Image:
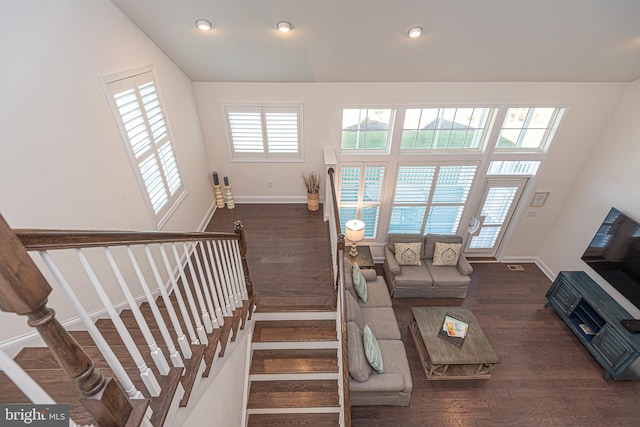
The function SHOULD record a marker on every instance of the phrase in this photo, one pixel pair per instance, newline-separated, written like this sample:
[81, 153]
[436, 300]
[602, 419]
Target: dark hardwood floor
[546, 377]
[288, 253]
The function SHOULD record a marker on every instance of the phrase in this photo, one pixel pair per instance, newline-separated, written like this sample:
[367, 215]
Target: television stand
[594, 317]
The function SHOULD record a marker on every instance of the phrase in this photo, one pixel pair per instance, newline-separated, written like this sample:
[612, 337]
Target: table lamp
[355, 233]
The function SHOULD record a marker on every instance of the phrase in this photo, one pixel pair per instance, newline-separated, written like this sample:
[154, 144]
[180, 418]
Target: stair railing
[211, 266]
[338, 246]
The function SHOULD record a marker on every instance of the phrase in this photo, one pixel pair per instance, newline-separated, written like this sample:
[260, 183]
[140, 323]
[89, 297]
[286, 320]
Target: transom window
[529, 128]
[444, 128]
[366, 129]
[264, 132]
[361, 196]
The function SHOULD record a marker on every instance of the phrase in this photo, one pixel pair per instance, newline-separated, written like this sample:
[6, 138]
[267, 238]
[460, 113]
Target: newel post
[24, 291]
[238, 228]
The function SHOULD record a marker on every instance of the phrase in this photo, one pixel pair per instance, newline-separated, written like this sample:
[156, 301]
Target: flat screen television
[614, 253]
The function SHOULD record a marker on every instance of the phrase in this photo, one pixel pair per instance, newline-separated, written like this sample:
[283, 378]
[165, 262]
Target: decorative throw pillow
[372, 350]
[446, 254]
[359, 283]
[408, 253]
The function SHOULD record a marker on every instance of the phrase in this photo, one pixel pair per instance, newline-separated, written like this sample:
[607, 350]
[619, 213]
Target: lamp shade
[355, 230]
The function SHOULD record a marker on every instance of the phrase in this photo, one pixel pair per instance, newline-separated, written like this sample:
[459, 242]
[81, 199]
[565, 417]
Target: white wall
[590, 106]
[610, 178]
[62, 162]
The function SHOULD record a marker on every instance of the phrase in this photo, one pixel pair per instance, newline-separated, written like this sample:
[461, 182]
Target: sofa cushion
[372, 350]
[359, 367]
[446, 254]
[444, 276]
[378, 294]
[392, 239]
[354, 312]
[431, 239]
[382, 321]
[413, 276]
[397, 376]
[369, 274]
[408, 253]
[359, 283]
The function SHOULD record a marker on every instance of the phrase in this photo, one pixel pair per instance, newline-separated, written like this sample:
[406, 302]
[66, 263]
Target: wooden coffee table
[442, 360]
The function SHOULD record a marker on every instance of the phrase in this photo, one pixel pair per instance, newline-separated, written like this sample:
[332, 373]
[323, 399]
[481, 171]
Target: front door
[499, 200]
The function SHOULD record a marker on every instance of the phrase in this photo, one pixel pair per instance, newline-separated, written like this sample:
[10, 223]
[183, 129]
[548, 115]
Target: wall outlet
[269, 183]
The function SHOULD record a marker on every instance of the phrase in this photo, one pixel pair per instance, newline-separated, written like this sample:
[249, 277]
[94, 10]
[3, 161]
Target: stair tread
[294, 308]
[293, 394]
[284, 420]
[294, 361]
[294, 331]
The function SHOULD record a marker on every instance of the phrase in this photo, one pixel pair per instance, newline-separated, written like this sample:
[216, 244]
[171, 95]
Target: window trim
[160, 218]
[265, 156]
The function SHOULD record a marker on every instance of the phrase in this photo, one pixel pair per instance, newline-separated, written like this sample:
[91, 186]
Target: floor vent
[515, 267]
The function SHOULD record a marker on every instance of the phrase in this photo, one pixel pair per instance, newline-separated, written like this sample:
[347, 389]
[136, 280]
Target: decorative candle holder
[218, 191]
[230, 203]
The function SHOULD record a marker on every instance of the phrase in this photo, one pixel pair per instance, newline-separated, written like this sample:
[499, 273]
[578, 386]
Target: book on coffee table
[453, 330]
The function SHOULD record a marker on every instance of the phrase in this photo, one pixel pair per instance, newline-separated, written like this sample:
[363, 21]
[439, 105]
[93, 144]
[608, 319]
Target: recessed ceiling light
[203, 24]
[284, 26]
[415, 32]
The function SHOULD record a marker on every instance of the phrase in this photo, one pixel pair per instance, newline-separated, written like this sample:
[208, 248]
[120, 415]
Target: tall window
[136, 105]
[264, 132]
[444, 128]
[366, 129]
[361, 196]
[529, 128]
[430, 198]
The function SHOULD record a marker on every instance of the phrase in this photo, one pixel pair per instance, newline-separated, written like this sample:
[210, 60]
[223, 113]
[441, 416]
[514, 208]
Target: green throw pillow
[372, 350]
[359, 283]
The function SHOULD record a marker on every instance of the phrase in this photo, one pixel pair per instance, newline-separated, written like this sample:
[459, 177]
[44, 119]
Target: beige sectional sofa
[367, 386]
[426, 280]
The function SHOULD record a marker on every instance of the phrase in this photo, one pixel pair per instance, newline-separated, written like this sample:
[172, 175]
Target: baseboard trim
[273, 199]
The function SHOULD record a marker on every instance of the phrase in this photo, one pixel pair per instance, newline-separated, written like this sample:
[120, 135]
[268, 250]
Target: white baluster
[233, 271]
[202, 334]
[240, 270]
[176, 290]
[206, 287]
[176, 360]
[216, 291]
[229, 305]
[175, 322]
[156, 352]
[147, 376]
[224, 262]
[25, 383]
[206, 320]
[108, 354]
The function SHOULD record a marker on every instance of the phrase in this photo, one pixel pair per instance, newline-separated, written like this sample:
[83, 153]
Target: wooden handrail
[24, 291]
[42, 240]
[346, 395]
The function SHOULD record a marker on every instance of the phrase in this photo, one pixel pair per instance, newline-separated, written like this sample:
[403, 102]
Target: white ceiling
[366, 40]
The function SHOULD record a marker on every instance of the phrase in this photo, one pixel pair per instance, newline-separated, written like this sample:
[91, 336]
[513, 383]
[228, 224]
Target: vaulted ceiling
[367, 41]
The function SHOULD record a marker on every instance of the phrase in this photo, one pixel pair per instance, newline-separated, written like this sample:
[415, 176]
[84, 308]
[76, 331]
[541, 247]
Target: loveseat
[431, 266]
[367, 386]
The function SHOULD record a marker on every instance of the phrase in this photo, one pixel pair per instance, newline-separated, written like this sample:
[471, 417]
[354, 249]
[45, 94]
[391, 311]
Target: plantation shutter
[413, 187]
[449, 198]
[147, 137]
[264, 131]
[361, 195]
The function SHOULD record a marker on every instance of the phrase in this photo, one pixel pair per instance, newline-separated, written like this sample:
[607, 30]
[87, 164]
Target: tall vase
[313, 201]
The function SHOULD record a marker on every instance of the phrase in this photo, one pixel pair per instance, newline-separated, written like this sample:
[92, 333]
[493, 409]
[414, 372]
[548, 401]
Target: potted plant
[312, 182]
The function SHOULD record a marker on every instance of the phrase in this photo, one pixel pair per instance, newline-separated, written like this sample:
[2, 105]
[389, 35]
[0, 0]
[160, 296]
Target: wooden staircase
[176, 387]
[294, 369]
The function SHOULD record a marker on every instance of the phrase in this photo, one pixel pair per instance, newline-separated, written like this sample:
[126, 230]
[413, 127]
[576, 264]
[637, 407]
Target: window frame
[110, 84]
[360, 204]
[555, 122]
[392, 120]
[265, 156]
